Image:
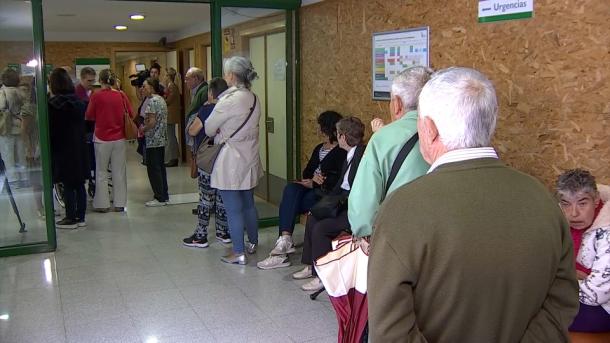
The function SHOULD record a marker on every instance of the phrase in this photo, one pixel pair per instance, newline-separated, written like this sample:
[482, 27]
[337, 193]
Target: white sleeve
[595, 289]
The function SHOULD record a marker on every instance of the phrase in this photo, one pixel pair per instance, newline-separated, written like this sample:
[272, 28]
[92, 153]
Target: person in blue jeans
[237, 169]
[319, 176]
[209, 198]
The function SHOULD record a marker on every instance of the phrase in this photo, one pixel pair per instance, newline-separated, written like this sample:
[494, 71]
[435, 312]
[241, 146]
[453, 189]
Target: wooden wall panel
[551, 72]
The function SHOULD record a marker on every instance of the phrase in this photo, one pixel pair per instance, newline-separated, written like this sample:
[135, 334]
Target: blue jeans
[296, 199]
[241, 212]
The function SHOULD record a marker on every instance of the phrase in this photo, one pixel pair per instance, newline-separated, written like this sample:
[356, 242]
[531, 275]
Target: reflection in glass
[21, 177]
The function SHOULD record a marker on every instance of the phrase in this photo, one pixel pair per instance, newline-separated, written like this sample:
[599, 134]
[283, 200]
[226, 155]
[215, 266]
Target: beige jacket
[238, 166]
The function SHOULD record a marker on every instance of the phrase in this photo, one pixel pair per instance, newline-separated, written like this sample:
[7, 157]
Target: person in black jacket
[68, 147]
[319, 176]
[319, 232]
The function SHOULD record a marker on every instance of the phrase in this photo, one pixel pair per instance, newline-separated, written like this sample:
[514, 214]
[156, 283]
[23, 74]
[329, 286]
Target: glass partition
[25, 225]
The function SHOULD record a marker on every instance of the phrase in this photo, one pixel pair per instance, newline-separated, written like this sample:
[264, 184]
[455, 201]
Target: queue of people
[463, 247]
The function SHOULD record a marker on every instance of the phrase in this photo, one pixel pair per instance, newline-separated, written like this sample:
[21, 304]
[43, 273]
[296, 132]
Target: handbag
[329, 206]
[130, 129]
[207, 151]
[194, 171]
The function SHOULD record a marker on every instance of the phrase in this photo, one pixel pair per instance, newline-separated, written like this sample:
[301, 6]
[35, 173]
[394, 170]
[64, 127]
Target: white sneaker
[155, 203]
[283, 246]
[303, 274]
[273, 262]
[313, 285]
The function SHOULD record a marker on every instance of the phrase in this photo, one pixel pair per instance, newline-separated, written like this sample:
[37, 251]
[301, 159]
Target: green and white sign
[496, 10]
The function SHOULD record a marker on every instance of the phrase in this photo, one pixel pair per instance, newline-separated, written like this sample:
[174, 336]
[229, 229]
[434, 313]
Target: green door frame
[45, 151]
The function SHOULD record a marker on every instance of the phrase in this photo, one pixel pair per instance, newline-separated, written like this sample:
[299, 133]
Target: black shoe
[195, 211]
[224, 238]
[172, 163]
[193, 241]
[67, 223]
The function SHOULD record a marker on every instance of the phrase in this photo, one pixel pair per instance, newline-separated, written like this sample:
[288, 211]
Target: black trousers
[155, 166]
[75, 199]
[319, 235]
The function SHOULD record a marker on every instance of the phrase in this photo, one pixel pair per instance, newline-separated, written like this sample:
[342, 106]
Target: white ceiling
[93, 20]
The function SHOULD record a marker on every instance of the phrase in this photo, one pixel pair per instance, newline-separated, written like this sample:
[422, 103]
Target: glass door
[264, 36]
[26, 205]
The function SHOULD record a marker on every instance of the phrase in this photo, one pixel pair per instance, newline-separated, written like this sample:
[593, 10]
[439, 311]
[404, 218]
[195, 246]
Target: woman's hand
[580, 275]
[318, 178]
[306, 183]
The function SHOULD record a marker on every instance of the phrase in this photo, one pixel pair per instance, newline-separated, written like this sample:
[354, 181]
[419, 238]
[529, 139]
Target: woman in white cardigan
[238, 167]
[586, 207]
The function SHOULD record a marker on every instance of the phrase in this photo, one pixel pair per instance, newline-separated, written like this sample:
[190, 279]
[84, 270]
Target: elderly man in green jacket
[474, 251]
[369, 187]
[195, 81]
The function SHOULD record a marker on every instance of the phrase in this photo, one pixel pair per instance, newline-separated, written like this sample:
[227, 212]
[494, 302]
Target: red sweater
[106, 108]
[577, 239]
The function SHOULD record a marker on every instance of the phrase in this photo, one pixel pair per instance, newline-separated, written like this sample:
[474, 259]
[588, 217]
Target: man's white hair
[196, 72]
[462, 103]
[408, 84]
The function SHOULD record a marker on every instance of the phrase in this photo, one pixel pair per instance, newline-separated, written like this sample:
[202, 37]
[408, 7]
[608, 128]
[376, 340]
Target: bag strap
[402, 155]
[245, 121]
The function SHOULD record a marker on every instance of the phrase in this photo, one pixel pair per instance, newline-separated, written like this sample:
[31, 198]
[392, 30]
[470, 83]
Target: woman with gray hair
[237, 170]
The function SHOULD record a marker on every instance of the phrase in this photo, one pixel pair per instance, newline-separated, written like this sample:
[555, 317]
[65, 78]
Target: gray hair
[242, 68]
[408, 84]
[576, 180]
[462, 103]
[196, 72]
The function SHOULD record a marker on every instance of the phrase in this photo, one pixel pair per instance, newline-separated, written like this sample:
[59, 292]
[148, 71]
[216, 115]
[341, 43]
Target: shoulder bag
[207, 152]
[130, 129]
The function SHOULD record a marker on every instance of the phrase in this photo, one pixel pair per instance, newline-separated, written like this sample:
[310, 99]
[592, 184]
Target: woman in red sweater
[107, 108]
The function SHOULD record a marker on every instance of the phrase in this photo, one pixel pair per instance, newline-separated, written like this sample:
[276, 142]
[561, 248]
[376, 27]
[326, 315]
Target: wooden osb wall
[551, 72]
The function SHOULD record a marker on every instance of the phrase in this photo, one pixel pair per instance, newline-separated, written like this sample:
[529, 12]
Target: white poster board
[395, 51]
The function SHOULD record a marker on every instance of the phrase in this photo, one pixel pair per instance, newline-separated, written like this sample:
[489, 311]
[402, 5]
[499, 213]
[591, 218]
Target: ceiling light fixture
[136, 17]
[120, 27]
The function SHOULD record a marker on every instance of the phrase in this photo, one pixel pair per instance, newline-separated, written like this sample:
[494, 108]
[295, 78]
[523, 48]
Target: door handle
[269, 123]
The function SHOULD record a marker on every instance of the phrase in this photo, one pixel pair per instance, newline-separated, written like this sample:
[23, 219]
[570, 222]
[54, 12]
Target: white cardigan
[595, 254]
[238, 166]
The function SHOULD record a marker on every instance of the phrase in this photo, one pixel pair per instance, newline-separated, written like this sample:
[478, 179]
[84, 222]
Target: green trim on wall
[268, 222]
[92, 61]
[216, 29]
[522, 15]
[278, 4]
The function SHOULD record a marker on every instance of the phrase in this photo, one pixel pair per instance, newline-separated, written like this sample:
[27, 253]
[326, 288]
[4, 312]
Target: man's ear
[398, 108]
[430, 129]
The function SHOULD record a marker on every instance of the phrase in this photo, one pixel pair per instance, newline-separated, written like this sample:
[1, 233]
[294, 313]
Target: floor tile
[104, 330]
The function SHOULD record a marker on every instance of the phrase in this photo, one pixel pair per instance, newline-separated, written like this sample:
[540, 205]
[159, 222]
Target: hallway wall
[551, 73]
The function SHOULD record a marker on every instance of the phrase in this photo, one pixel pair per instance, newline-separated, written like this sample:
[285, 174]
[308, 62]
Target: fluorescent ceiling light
[120, 27]
[136, 17]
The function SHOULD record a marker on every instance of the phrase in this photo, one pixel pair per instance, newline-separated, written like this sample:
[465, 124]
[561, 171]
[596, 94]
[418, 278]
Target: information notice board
[395, 51]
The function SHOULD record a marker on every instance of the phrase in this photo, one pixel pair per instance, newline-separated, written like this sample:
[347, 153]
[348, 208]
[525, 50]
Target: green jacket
[368, 190]
[200, 98]
[475, 251]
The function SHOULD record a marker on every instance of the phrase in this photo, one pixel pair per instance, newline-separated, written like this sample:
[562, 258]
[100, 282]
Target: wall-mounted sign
[14, 66]
[394, 52]
[496, 10]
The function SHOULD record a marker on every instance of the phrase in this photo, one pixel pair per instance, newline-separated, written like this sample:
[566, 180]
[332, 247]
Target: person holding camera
[155, 132]
[107, 108]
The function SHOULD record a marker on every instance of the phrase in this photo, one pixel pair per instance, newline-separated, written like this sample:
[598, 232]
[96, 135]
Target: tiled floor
[126, 278]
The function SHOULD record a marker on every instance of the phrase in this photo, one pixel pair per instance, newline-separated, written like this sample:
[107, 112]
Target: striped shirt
[463, 155]
[323, 152]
